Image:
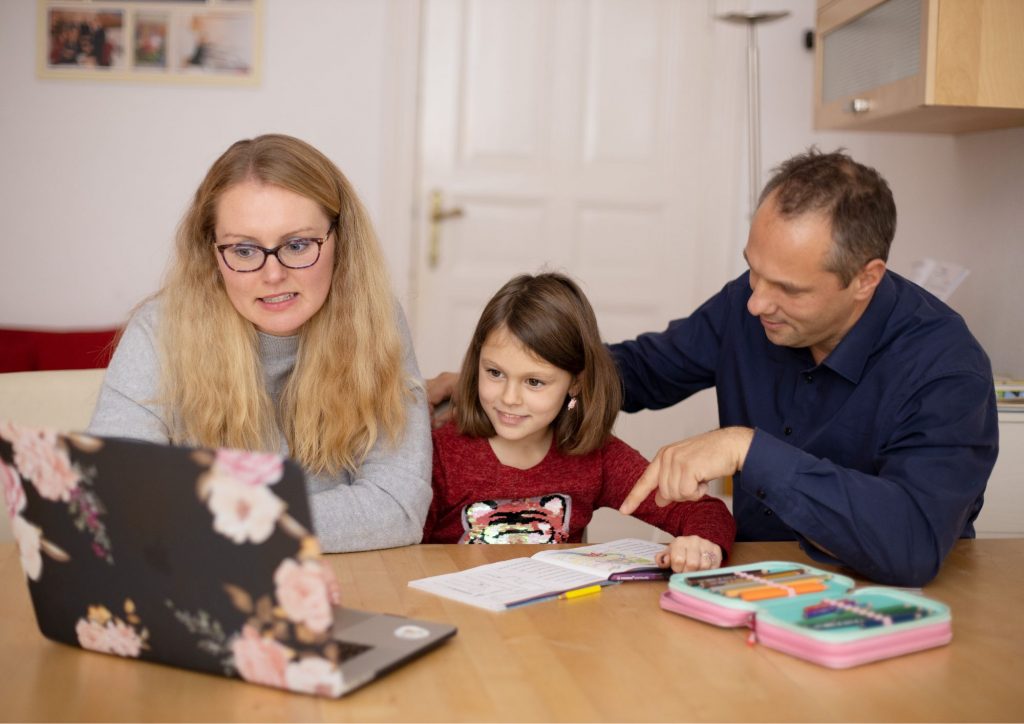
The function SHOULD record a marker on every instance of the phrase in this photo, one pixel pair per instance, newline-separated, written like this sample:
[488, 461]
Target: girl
[277, 330]
[529, 453]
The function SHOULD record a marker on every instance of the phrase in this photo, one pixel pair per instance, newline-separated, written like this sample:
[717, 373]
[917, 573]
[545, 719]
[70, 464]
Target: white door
[600, 138]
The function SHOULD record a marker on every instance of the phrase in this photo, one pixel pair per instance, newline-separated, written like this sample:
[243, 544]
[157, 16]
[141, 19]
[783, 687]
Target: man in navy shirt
[857, 411]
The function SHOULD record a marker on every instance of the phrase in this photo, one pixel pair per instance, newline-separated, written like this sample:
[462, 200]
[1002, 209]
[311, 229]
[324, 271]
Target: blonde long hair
[348, 387]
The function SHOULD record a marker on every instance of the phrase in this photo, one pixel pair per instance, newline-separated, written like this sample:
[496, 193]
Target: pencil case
[810, 613]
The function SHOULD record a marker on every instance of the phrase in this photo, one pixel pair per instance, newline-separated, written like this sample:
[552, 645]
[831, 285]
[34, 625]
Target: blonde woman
[277, 330]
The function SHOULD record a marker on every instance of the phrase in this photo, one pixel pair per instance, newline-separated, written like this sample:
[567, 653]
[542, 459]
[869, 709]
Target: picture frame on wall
[175, 41]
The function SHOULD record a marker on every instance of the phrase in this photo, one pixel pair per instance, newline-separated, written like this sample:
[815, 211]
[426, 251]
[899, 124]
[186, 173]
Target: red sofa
[30, 349]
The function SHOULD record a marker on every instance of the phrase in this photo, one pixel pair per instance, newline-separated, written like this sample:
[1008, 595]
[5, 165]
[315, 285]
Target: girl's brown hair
[552, 318]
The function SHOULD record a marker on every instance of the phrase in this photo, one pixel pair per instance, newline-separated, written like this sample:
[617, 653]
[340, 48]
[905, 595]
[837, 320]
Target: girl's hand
[690, 553]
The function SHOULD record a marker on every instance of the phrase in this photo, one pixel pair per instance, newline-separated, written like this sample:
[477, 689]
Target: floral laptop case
[200, 559]
[810, 613]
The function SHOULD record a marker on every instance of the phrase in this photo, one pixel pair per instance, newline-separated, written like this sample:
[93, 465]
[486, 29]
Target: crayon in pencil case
[715, 579]
[863, 617]
[797, 589]
[711, 578]
[855, 621]
[746, 585]
[719, 579]
[823, 608]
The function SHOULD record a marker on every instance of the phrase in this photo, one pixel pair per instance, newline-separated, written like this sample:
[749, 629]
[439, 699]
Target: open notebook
[200, 559]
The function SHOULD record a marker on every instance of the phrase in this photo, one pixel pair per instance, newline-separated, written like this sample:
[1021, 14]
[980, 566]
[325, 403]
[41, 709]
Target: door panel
[583, 136]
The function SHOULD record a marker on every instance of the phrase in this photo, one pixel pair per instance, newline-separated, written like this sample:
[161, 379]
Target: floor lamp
[752, 20]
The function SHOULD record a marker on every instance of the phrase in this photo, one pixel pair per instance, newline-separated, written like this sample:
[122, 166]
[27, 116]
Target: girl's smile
[521, 395]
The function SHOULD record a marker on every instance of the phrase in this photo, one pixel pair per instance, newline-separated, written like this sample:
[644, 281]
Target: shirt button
[768, 513]
[788, 430]
[808, 378]
[761, 495]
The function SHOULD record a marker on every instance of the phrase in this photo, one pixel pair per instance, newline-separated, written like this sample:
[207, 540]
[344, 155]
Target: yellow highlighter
[581, 592]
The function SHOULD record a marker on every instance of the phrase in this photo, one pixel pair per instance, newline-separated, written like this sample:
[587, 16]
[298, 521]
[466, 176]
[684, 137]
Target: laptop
[199, 559]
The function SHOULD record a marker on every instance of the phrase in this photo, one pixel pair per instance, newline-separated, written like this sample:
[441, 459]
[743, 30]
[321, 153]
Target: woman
[277, 330]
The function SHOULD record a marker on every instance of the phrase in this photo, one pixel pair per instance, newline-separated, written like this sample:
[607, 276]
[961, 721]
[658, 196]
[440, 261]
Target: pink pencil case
[810, 613]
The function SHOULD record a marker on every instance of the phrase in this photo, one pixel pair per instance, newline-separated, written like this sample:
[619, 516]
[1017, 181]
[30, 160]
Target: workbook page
[497, 586]
[604, 559]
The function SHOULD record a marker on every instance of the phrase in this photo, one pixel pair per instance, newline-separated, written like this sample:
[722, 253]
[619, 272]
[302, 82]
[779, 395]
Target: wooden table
[610, 657]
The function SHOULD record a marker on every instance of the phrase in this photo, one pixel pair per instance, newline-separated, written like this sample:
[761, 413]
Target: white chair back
[61, 399]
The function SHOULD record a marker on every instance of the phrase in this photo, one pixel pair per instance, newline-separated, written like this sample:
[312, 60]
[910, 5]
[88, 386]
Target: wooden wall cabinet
[933, 66]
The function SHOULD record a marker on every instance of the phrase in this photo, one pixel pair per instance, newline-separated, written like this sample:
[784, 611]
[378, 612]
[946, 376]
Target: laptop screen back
[195, 558]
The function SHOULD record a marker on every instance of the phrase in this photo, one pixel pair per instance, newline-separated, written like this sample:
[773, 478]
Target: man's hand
[681, 471]
[439, 392]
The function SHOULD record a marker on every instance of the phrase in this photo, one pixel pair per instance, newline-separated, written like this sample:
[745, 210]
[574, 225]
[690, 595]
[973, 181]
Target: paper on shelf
[941, 278]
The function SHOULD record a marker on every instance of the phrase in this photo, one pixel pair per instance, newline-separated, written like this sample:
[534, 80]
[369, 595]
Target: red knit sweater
[477, 499]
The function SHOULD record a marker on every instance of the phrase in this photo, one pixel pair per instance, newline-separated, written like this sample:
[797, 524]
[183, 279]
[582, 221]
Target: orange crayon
[766, 592]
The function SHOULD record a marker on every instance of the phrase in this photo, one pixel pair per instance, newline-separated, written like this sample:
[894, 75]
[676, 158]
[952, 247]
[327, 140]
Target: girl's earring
[572, 404]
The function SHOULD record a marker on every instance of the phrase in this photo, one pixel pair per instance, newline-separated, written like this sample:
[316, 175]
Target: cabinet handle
[858, 105]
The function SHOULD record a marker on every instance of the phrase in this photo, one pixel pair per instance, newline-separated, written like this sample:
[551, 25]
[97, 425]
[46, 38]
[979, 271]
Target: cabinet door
[1002, 515]
[872, 60]
[939, 66]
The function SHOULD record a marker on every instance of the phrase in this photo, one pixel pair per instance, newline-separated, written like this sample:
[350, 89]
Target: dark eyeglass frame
[222, 248]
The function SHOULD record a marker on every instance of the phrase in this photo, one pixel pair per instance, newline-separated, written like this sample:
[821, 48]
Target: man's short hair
[855, 198]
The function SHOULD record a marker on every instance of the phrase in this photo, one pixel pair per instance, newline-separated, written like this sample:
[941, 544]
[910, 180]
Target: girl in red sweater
[529, 454]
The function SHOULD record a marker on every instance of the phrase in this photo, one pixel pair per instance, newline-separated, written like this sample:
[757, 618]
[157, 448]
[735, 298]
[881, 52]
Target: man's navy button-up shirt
[878, 455]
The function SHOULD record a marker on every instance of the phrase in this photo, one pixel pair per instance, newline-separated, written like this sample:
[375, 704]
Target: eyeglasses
[297, 253]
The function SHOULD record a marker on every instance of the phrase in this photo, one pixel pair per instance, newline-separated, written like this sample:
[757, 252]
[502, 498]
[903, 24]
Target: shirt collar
[851, 354]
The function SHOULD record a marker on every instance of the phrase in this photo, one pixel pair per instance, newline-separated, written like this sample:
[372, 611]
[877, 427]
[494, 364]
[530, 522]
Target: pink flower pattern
[286, 641]
[242, 512]
[260, 660]
[304, 592]
[285, 644]
[41, 458]
[29, 539]
[249, 467]
[91, 635]
[109, 635]
[14, 493]
[237, 493]
[314, 675]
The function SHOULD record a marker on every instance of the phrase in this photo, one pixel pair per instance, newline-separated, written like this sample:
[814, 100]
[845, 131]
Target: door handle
[438, 214]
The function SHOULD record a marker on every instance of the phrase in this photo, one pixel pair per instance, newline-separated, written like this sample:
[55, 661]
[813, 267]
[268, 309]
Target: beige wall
[96, 175]
[959, 198]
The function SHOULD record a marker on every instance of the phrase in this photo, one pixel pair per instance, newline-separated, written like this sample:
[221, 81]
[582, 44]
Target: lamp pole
[752, 20]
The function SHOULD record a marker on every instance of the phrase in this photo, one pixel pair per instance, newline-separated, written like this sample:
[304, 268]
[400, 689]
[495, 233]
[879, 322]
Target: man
[857, 412]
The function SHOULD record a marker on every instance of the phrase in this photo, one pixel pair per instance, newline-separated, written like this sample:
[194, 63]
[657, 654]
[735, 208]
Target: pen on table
[576, 593]
[559, 596]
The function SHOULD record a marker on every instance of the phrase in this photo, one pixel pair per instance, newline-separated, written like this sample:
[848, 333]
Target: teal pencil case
[810, 613]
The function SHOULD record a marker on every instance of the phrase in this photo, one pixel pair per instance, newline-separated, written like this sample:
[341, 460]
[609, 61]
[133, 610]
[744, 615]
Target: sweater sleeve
[708, 517]
[437, 480]
[386, 502]
[126, 406]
